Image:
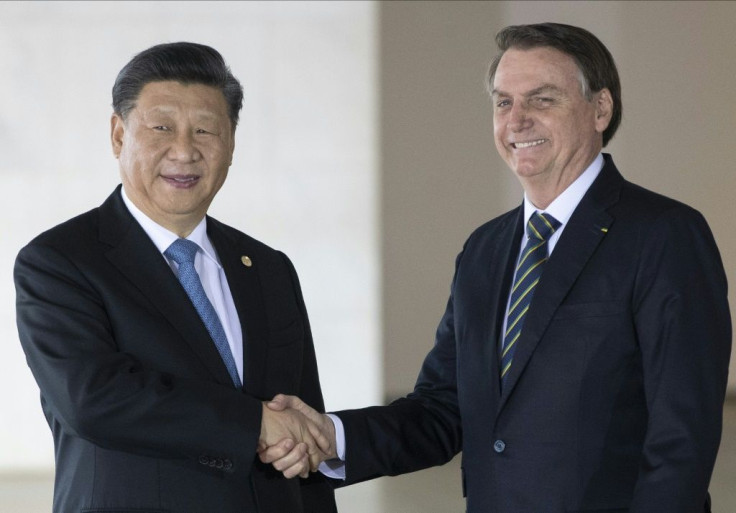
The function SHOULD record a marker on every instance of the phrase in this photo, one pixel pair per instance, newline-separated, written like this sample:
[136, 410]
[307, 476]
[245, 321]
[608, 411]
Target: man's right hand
[300, 443]
[288, 455]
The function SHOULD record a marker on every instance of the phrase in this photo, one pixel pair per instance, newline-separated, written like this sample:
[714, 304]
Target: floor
[435, 490]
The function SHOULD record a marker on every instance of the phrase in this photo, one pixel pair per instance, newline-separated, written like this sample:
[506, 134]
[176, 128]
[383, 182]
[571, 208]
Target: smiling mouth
[181, 180]
[527, 144]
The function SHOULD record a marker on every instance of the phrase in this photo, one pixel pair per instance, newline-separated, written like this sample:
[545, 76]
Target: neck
[182, 225]
[543, 189]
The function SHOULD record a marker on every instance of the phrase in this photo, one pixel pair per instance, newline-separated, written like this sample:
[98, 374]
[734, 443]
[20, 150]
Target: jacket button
[204, 460]
[219, 463]
[227, 464]
[499, 446]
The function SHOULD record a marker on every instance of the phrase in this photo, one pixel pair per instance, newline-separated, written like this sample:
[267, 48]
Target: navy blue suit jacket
[142, 410]
[614, 399]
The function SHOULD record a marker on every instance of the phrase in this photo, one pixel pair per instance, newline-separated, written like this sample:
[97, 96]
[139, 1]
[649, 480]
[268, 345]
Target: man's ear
[117, 131]
[603, 109]
[232, 147]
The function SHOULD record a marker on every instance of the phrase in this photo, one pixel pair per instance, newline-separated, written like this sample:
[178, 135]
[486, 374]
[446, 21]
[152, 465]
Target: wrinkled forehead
[522, 70]
[171, 98]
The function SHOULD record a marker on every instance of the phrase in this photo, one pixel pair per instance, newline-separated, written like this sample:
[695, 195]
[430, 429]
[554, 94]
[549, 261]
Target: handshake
[295, 438]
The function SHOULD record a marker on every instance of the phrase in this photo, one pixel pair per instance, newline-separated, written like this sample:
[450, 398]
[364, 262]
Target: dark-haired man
[582, 361]
[154, 332]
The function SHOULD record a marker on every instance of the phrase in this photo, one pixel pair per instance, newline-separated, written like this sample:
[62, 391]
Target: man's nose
[183, 148]
[519, 118]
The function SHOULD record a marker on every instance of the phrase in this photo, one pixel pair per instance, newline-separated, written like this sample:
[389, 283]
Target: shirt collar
[163, 238]
[565, 204]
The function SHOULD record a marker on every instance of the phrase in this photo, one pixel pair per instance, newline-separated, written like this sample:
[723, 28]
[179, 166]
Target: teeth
[182, 180]
[529, 144]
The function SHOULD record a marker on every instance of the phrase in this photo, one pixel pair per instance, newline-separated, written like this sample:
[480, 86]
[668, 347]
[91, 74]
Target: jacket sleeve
[684, 330]
[110, 398]
[414, 432]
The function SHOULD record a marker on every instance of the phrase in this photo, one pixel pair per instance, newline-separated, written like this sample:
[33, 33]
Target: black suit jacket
[142, 409]
[614, 399]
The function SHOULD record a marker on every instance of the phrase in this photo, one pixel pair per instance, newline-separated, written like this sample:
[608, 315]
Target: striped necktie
[182, 252]
[533, 257]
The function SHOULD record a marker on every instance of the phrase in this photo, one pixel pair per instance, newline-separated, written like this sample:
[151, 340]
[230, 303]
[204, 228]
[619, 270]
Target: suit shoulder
[242, 241]
[647, 205]
[236, 236]
[74, 232]
[495, 225]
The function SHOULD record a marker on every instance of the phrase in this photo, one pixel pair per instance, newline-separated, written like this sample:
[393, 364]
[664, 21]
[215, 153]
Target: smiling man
[155, 332]
[582, 361]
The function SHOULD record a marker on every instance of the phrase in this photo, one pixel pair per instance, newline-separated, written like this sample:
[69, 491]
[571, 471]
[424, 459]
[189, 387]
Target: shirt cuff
[335, 468]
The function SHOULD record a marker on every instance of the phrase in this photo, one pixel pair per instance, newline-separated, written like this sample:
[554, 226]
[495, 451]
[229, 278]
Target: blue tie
[182, 252]
[539, 229]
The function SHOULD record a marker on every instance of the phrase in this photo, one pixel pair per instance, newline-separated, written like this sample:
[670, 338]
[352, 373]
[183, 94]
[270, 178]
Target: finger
[276, 452]
[301, 469]
[295, 461]
[278, 403]
[283, 401]
[315, 461]
[290, 459]
[315, 455]
[321, 438]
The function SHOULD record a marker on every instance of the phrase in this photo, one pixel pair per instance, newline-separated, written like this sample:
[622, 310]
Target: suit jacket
[614, 398]
[143, 412]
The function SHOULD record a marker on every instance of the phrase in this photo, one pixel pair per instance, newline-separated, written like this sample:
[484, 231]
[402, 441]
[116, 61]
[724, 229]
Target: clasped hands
[295, 438]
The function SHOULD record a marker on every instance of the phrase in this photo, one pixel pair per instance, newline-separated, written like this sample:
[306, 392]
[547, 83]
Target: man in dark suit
[155, 332]
[582, 366]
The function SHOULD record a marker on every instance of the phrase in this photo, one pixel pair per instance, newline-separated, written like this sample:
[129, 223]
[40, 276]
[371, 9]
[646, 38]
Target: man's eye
[502, 103]
[542, 100]
[161, 128]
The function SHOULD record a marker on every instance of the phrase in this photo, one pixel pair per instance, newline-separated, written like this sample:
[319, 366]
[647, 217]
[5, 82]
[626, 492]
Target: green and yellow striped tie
[539, 229]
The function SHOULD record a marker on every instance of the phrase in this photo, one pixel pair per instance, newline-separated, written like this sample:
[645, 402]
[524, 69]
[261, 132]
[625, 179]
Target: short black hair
[593, 59]
[187, 63]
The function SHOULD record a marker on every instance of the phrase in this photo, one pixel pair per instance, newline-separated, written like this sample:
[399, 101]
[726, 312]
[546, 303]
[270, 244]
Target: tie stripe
[528, 251]
[523, 295]
[528, 272]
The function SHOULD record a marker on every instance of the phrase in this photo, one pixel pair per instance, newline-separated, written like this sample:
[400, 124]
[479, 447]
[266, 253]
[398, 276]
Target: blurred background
[365, 152]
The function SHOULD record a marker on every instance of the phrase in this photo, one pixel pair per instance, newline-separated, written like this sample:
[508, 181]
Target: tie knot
[541, 226]
[182, 251]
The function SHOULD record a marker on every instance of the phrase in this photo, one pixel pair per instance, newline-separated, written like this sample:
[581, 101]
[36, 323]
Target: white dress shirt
[565, 204]
[561, 209]
[211, 274]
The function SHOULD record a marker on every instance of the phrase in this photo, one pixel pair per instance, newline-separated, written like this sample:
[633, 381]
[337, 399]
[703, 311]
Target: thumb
[279, 403]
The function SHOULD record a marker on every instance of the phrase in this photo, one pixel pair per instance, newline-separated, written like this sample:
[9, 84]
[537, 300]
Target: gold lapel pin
[247, 262]
[604, 230]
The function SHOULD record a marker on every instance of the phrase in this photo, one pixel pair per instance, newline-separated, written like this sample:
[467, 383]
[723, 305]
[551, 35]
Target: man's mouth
[527, 144]
[181, 180]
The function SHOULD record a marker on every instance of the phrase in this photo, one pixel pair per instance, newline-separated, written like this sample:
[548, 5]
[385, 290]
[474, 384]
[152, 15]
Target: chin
[526, 170]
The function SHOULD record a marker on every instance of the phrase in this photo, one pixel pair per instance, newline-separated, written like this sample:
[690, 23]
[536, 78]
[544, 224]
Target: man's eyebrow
[161, 109]
[203, 113]
[544, 88]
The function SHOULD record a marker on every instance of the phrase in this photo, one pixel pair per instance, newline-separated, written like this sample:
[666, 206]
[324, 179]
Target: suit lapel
[245, 287]
[583, 233]
[137, 258]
